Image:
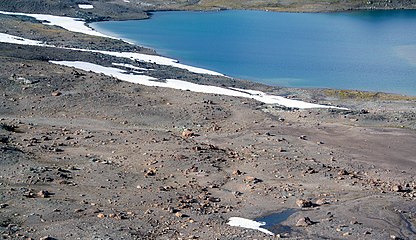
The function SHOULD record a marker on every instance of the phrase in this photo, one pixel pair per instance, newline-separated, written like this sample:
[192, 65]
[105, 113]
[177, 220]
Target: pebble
[397, 188]
[321, 201]
[250, 179]
[43, 194]
[187, 133]
[343, 172]
[304, 222]
[304, 203]
[46, 238]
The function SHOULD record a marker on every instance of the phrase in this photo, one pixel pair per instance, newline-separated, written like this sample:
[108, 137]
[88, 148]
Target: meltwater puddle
[273, 221]
[269, 224]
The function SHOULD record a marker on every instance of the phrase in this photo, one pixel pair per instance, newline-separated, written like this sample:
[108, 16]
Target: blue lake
[367, 50]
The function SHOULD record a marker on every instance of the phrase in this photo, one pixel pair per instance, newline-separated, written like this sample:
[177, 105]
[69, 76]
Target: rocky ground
[86, 156]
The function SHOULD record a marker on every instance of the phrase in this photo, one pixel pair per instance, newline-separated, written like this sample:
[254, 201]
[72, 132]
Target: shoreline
[85, 155]
[348, 90]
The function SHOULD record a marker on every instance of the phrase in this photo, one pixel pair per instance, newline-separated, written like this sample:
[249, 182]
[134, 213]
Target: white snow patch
[247, 223]
[68, 23]
[7, 38]
[183, 85]
[273, 99]
[109, 71]
[85, 6]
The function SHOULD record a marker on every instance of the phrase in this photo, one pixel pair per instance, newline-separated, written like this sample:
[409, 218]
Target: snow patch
[7, 38]
[247, 223]
[109, 71]
[85, 6]
[68, 23]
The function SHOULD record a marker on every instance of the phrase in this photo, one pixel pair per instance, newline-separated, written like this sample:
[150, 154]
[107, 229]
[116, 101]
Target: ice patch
[247, 223]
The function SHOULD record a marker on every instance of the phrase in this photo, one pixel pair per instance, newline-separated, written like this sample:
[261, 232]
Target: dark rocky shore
[87, 156]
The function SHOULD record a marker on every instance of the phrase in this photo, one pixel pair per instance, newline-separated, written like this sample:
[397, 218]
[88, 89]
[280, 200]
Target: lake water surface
[369, 50]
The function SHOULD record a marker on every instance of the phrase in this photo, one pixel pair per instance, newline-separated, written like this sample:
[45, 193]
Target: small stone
[397, 188]
[395, 237]
[250, 179]
[56, 93]
[43, 194]
[100, 215]
[46, 238]
[150, 172]
[179, 214]
[343, 172]
[304, 203]
[214, 199]
[236, 172]
[304, 222]
[187, 133]
[321, 201]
